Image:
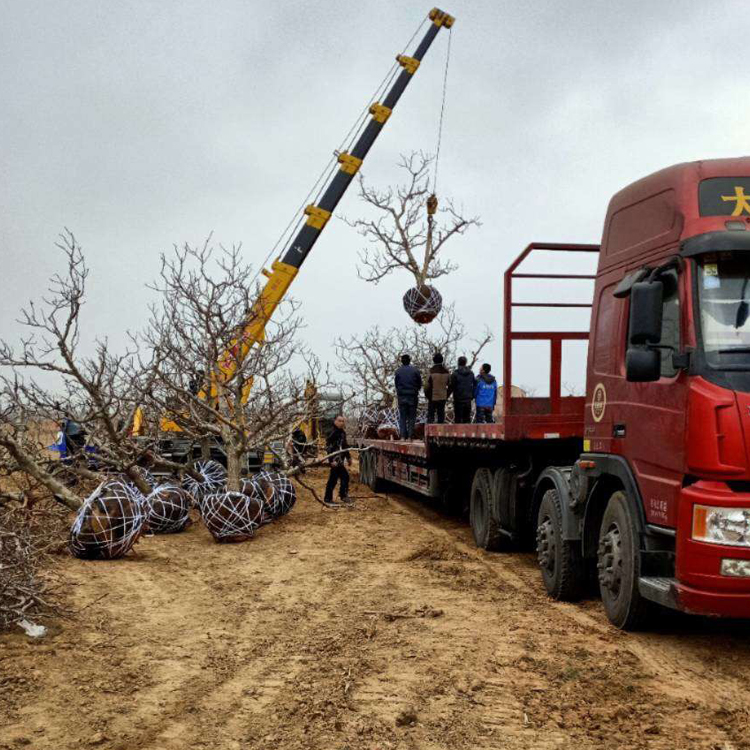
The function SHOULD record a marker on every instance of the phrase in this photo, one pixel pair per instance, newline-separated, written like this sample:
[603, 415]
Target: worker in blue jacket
[485, 395]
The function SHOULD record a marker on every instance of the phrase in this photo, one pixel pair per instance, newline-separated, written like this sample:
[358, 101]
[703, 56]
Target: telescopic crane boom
[285, 268]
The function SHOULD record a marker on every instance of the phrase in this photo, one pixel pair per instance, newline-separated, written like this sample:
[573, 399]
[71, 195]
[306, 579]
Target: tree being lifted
[409, 232]
[370, 360]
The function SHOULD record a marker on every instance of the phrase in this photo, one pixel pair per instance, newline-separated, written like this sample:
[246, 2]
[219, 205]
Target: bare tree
[48, 377]
[370, 360]
[212, 378]
[402, 234]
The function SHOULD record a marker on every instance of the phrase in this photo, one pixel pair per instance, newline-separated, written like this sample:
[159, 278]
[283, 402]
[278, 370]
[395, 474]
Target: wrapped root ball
[168, 508]
[213, 479]
[277, 491]
[423, 304]
[231, 516]
[388, 427]
[108, 524]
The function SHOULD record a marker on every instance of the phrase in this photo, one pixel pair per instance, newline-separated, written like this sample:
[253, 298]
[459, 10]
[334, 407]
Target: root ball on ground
[213, 479]
[108, 524]
[168, 508]
[231, 516]
[276, 490]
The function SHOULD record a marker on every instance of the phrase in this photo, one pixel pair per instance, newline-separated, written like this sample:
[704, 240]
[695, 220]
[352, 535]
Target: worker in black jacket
[462, 385]
[408, 382]
[338, 451]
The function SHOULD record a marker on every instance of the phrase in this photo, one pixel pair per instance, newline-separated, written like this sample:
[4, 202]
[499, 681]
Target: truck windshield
[724, 296]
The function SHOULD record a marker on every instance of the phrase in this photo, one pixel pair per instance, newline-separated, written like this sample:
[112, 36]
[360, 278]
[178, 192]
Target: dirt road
[378, 627]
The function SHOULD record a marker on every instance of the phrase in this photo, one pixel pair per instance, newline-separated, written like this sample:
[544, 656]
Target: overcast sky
[143, 124]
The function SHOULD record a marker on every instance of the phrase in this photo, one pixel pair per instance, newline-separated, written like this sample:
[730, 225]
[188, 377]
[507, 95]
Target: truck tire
[619, 563]
[561, 562]
[484, 523]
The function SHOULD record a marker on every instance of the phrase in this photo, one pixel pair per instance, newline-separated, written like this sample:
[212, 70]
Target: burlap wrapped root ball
[213, 479]
[423, 304]
[109, 523]
[168, 509]
[276, 490]
[232, 516]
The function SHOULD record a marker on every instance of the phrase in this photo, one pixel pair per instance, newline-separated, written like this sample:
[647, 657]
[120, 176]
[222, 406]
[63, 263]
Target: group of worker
[461, 384]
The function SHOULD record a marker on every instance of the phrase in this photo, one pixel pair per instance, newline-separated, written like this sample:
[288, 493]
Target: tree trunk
[234, 470]
[137, 479]
[205, 443]
[32, 468]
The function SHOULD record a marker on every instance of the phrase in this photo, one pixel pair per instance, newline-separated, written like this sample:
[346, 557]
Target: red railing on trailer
[521, 415]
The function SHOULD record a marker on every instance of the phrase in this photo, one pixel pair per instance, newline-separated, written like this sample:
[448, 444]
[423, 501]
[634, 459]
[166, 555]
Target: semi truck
[643, 484]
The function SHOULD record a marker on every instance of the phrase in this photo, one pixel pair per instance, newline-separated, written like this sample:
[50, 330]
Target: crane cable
[432, 200]
[331, 164]
[442, 112]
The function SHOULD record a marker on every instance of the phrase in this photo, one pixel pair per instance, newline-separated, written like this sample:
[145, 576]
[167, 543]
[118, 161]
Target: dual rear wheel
[565, 573]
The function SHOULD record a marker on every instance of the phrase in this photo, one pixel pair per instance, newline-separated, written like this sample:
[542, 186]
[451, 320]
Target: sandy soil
[377, 627]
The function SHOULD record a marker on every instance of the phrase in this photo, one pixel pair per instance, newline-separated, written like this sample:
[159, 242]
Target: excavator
[286, 267]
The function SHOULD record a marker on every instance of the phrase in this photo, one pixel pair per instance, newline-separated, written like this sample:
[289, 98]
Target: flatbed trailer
[644, 483]
[531, 433]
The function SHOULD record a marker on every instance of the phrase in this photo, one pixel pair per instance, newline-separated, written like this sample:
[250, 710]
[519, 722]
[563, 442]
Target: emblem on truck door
[599, 402]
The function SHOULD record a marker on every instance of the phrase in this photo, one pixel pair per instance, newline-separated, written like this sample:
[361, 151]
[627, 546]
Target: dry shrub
[30, 534]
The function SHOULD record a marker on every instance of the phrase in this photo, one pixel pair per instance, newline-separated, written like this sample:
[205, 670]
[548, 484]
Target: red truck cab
[663, 483]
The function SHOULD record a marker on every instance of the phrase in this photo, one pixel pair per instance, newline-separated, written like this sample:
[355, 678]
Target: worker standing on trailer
[485, 394]
[408, 381]
[462, 385]
[338, 451]
[437, 390]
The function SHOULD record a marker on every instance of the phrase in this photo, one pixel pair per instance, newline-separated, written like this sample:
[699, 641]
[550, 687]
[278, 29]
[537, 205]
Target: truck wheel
[484, 524]
[618, 564]
[561, 562]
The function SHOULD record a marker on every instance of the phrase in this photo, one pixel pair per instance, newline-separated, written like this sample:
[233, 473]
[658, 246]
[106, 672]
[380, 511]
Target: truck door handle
[618, 431]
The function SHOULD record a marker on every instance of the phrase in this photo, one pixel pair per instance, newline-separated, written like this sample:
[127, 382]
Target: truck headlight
[729, 526]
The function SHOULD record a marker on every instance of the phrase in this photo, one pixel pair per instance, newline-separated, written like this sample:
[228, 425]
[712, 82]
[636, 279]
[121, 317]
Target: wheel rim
[546, 545]
[610, 561]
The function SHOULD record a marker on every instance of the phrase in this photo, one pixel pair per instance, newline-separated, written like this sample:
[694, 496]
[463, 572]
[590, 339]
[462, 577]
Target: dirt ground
[379, 627]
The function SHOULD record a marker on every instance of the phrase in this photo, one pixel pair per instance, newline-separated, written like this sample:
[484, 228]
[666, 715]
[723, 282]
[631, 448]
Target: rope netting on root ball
[109, 522]
[423, 304]
[168, 509]
[232, 516]
[387, 428]
[277, 491]
[213, 479]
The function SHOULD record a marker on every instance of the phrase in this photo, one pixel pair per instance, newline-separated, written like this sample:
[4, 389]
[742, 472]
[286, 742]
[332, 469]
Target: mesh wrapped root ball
[213, 479]
[168, 508]
[277, 491]
[423, 303]
[232, 516]
[369, 421]
[108, 524]
[388, 427]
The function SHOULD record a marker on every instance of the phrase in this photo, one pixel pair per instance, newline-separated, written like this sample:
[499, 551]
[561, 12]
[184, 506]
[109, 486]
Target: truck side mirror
[646, 302]
[642, 365]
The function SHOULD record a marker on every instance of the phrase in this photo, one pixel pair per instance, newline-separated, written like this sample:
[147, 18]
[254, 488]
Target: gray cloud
[139, 124]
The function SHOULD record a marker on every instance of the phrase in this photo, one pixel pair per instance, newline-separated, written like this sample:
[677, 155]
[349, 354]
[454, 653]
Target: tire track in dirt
[375, 629]
[681, 659]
